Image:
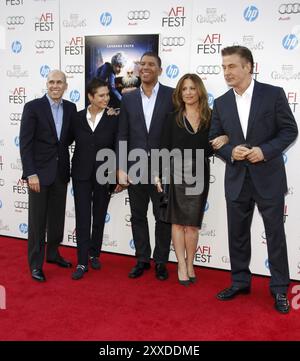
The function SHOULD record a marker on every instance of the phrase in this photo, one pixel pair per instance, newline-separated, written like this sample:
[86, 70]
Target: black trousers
[91, 202]
[46, 212]
[239, 215]
[139, 197]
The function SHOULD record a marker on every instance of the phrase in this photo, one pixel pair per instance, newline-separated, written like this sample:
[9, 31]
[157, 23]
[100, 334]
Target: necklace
[186, 127]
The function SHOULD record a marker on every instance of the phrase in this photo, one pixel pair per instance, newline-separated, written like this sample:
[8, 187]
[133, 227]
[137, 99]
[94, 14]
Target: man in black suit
[92, 131]
[142, 116]
[44, 140]
[260, 125]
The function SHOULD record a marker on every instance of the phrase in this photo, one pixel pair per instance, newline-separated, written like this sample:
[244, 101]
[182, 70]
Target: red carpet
[107, 305]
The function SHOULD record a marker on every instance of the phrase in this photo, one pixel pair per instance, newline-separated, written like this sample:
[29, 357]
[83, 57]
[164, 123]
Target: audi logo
[173, 41]
[74, 69]
[15, 20]
[21, 205]
[44, 44]
[15, 116]
[289, 8]
[138, 15]
[208, 69]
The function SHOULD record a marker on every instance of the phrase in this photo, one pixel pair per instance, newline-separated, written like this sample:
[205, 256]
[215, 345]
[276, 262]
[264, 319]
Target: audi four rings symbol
[21, 205]
[173, 41]
[15, 20]
[74, 69]
[289, 8]
[15, 116]
[209, 69]
[138, 15]
[44, 44]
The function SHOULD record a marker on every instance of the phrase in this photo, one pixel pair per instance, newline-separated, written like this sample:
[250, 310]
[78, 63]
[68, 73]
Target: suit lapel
[49, 115]
[157, 106]
[84, 121]
[66, 119]
[235, 114]
[140, 109]
[255, 104]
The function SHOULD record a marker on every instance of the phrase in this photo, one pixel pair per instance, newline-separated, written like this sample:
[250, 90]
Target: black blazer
[132, 124]
[88, 143]
[271, 126]
[41, 151]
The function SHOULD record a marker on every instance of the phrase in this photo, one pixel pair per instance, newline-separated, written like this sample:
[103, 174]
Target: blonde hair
[205, 111]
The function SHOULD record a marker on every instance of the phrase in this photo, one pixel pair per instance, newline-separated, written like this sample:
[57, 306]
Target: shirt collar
[248, 92]
[154, 90]
[52, 102]
[88, 113]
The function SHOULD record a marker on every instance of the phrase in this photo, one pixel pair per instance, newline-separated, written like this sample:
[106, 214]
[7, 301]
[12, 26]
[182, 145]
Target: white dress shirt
[94, 124]
[243, 103]
[148, 104]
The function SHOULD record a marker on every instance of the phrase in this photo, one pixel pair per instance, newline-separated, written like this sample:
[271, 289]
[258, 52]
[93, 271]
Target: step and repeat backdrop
[37, 36]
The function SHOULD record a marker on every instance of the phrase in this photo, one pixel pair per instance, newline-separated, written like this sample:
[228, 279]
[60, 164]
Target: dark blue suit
[45, 155]
[132, 128]
[91, 198]
[272, 127]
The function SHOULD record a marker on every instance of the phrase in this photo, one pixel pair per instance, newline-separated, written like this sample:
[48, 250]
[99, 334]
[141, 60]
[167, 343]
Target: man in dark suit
[260, 125]
[142, 116]
[94, 130]
[44, 140]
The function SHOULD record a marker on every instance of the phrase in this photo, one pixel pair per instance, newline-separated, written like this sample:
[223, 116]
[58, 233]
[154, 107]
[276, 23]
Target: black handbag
[164, 195]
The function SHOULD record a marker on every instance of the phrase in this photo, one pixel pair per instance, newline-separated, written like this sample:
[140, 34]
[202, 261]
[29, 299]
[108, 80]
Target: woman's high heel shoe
[193, 279]
[184, 282]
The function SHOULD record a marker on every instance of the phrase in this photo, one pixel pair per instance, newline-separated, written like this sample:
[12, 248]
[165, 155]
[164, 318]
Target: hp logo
[23, 228]
[206, 207]
[131, 244]
[44, 71]
[16, 47]
[172, 71]
[74, 96]
[105, 19]
[107, 218]
[17, 141]
[210, 100]
[251, 13]
[290, 41]
[267, 264]
[285, 158]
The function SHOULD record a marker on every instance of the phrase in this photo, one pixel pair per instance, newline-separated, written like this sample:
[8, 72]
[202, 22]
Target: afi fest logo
[175, 17]
[2, 298]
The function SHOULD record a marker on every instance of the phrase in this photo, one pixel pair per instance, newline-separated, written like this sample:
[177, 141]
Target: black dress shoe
[38, 275]
[231, 292]
[281, 303]
[95, 263]
[60, 262]
[138, 269]
[161, 271]
[79, 272]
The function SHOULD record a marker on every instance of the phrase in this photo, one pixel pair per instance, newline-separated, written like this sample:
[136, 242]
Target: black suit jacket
[88, 143]
[41, 151]
[271, 127]
[132, 124]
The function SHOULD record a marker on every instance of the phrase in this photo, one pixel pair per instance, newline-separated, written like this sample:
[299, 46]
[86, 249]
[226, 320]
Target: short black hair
[154, 55]
[242, 51]
[94, 84]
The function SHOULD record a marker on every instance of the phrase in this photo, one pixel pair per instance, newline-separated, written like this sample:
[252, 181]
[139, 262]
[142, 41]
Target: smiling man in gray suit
[142, 117]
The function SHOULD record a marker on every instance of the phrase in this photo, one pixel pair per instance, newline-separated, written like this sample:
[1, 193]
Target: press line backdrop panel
[39, 35]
